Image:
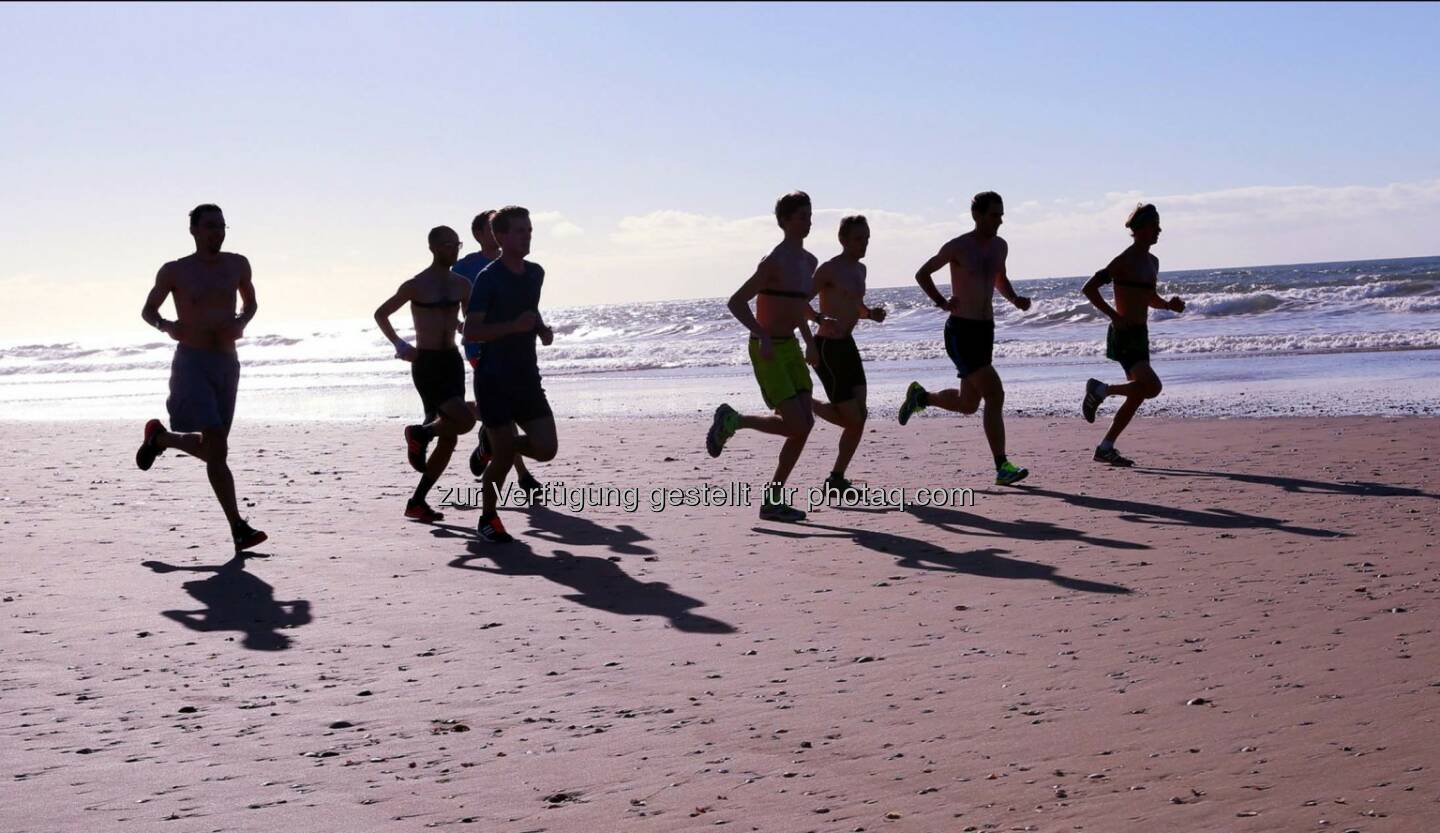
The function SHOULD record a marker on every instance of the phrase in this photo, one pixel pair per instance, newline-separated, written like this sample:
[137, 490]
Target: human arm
[150, 313]
[1002, 282]
[403, 349]
[924, 273]
[739, 304]
[1091, 291]
[1174, 304]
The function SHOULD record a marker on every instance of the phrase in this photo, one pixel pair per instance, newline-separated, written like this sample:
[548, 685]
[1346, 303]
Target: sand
[1236, 636]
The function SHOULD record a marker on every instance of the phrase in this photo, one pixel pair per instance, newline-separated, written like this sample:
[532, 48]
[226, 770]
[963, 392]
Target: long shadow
[237, 601]
[915, 554]
[576, 531]
[953, 520]
[599, 582]
[1354, 488]
[1154, 513]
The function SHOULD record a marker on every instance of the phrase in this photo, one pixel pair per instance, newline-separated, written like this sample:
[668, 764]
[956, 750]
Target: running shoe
[1092, 400]
[1111, 456]
[531, 486]
[914, 402]
[478, 461]
[415, 441]
[1009, 474]
[492, 530]
[419, 510]
[149, 450]
[836, 487]
[780, 512]
[246, 536]
[722, 428]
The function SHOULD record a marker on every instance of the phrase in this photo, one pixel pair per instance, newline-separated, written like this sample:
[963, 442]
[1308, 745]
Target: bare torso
[1134, 274]
[437, 296]
[974, 266]
[789, 270]
[204, 291]
[840, 283]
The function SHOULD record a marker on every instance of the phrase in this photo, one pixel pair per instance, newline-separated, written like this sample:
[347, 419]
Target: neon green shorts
[784, 374]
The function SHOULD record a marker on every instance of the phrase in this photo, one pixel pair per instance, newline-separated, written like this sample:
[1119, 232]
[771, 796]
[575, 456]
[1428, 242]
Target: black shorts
[203, 385]
[840, 370]
[439, 376]
[503, 400]
[1128, 346]
[970, 344]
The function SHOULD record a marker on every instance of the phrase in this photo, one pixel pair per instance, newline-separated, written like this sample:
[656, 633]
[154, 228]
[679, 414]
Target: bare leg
[795, 416]
[852, 412]
[216, 449]
[1143, 384]
[435, 466]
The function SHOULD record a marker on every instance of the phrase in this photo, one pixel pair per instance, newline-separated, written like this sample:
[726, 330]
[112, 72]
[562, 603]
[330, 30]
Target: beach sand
[1236, 636]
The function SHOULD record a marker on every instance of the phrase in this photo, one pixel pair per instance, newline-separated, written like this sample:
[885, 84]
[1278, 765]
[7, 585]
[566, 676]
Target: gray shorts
[202, 389]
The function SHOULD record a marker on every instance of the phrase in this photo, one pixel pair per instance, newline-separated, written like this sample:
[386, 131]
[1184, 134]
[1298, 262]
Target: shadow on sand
[599, 583]
[1214, 517]
[1354, 488]
[916, 554]
[237, 601]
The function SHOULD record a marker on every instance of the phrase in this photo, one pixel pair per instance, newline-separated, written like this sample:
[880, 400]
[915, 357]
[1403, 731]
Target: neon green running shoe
[1009, 474]
[722, 428]
[914, 402]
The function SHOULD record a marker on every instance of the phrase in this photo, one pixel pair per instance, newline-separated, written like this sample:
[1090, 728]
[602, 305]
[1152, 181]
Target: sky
[652, 140]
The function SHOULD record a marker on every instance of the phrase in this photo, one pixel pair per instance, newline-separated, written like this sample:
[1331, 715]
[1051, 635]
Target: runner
[840, 284]
[1127, 341]
[504, 315]
[782, 285]
[469, 267]
[435, 297]
[205, 373]
[977, 269]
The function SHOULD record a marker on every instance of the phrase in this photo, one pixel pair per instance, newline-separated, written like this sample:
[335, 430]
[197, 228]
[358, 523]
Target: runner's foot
[420, 510]
[1093, 398]
[531, 486]
[492, 530]
[1009, 474]
[914, 402]
[416, 439]
[722, 428]
[780, 512]
[246, 536]
[149, 449]
[839, 485]
[1111, 456]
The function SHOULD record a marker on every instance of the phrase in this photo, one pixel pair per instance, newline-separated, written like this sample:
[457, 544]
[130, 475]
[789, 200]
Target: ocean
[1359, 337]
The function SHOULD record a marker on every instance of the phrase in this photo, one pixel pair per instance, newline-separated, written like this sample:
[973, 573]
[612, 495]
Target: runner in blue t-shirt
[503, 312]
[468, 267]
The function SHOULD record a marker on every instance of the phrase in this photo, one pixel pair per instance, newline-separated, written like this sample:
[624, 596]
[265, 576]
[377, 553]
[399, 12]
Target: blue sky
[652, 140]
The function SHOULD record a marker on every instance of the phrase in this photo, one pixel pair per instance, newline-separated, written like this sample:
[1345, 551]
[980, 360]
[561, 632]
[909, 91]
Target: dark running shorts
[202, 389]
[970, 344]
[840, 370]
[1128, 346]
[503, 400]
[439, 376]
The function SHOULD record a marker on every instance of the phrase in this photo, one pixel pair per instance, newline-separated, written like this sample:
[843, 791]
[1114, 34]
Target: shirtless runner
[435, 296]
[782, 287]
[205, 373]
[1134, 273]
[977, 268]
[840, 284]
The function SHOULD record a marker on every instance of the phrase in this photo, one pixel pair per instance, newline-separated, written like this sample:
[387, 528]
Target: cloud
[554, 224]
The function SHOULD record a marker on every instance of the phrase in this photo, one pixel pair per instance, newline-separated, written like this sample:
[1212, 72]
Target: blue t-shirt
[468, 267]
[503, 295]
